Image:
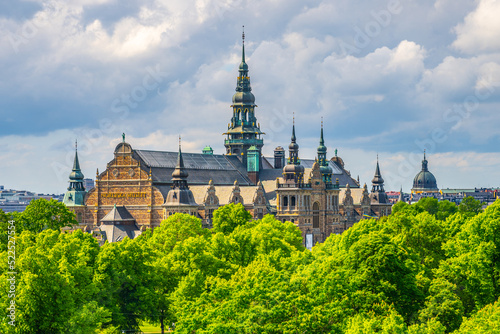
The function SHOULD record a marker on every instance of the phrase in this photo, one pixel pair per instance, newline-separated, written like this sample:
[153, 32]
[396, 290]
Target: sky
[389, 78]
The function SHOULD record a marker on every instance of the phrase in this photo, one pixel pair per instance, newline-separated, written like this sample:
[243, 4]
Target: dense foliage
[430, 267]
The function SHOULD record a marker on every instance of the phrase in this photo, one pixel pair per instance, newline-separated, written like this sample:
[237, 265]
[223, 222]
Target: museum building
[140, 188]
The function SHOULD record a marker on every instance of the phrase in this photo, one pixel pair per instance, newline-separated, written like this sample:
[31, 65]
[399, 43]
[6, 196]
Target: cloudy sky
[389, 77]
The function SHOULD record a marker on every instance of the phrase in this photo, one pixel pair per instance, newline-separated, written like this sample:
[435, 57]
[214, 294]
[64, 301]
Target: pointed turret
[325, 169]
[293, 148]
[243, 131]
[76, 191]
[180, 198]
[401, 196]
[179, 175]
[378, 194]
[293, 172]
[377, 181]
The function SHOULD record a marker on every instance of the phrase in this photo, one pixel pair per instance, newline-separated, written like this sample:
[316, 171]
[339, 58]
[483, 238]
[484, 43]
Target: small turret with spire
[76, 190]
[401, 197]
[293, 172]
[179, 175]
[325, 169]
[378, 194]
[180, 196]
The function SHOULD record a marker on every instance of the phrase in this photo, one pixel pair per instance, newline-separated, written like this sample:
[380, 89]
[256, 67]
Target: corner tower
[243, 131]
[76, 191]
[74, 198]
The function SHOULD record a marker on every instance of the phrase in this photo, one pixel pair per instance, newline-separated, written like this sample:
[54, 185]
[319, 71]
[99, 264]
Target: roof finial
[243, 46]
[123, 137]
[179, 142]
[321, 140]
[76, 144]
[424, 153]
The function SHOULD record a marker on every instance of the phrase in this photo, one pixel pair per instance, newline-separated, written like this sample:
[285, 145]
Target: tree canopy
[430, 267]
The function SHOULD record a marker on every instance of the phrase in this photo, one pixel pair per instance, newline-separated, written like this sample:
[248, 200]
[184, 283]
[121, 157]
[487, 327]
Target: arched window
[316, 215]
[292, 200]
[285, 201]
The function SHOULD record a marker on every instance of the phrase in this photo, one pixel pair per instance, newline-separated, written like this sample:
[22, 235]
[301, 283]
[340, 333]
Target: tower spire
[325, 169]
[377, 181]
[424, 164]
[378, 194]
[243, 46]
[180, 195]
[243, 131]
[321, 140]
[76, 190]
[179, 174]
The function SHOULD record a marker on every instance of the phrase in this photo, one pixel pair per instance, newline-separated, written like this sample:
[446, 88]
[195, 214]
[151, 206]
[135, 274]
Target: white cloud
[480, 30]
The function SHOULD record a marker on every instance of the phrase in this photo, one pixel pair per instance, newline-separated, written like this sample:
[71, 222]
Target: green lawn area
[150, 329]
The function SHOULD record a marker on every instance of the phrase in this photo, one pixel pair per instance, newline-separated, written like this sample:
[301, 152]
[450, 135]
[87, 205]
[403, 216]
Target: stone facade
[125, 183]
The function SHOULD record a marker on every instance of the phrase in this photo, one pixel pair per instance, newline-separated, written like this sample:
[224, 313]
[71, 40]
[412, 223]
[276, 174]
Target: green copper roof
[207, 150]
[76, 191]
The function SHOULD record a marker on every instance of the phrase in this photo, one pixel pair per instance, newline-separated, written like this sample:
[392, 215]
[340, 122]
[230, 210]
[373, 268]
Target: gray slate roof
[115, 233]
[118, 214]
[221, 169]
[118, 224]
[202, 168]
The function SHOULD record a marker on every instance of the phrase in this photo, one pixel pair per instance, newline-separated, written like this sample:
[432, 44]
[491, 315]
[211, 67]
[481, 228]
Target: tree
[41, 214]
[446, 209]
[443, 304]
[486, 321]
[429, 204]
[5, 231]
[472, 264]
[366, 324]
[53, 283]
[228, 217]
[177, 228]
[125, 280]
[470, 206]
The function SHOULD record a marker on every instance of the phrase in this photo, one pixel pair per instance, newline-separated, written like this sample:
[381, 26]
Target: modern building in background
[17, 200]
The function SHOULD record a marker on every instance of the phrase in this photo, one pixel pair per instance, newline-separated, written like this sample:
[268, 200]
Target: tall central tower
[243, 131]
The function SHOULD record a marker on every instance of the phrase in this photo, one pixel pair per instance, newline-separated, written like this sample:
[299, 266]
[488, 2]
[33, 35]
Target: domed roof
[326, 170]
[293, 146]
[76, 175]
[243, 65]
[244, 98]
[279, 148]
[290, 169]
[424, 180]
